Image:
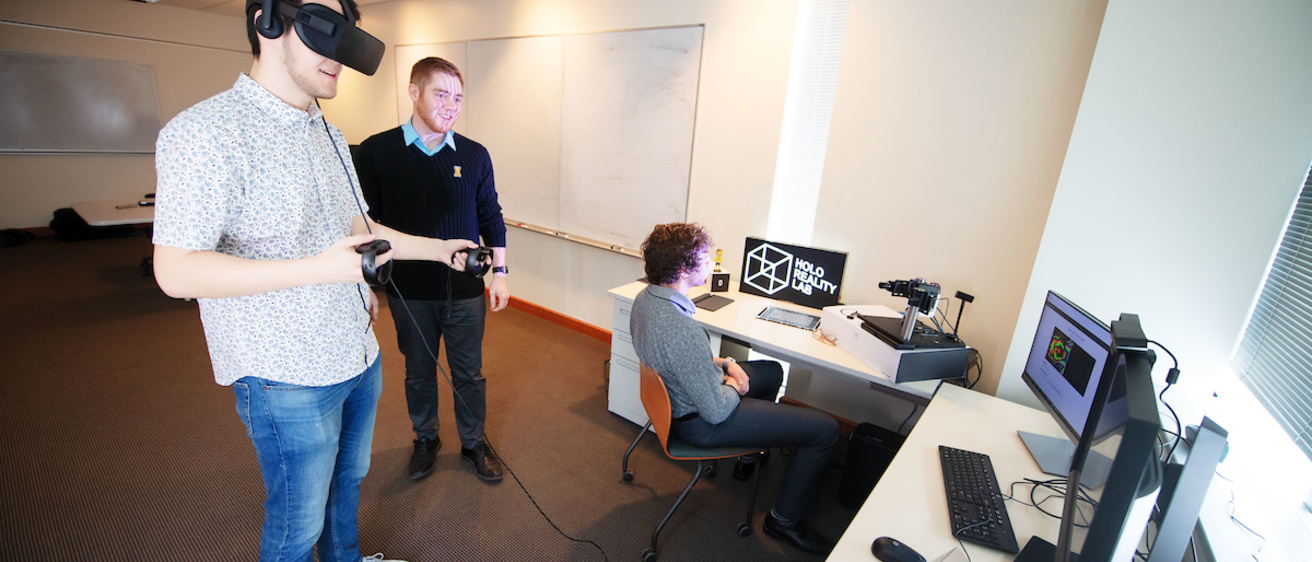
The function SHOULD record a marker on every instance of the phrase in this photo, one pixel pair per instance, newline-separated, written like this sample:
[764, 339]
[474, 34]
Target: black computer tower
[870, 450]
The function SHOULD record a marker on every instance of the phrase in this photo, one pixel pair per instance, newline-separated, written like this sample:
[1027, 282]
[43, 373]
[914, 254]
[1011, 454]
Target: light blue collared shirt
[412, 137]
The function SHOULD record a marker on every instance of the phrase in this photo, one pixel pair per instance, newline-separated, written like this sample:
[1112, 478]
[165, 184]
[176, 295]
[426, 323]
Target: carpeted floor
[116, 444]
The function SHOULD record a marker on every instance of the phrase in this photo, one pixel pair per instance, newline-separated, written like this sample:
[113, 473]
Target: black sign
[796, 274]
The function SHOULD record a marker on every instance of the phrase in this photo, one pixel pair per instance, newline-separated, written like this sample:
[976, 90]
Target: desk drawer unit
[622, 394]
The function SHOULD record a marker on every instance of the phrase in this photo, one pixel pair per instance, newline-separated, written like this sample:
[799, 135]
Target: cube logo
[770, 269]
[806, 276]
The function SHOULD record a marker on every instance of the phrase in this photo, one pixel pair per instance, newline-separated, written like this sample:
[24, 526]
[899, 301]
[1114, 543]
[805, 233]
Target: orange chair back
[656, 401]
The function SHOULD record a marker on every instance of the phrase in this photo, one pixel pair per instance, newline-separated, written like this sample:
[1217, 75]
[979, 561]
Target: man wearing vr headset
[257, 217]
[426, 179]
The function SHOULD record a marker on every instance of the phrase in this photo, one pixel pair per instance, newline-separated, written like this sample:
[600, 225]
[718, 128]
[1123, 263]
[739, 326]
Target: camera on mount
[906, 332]
[478, 261]
[920, 294]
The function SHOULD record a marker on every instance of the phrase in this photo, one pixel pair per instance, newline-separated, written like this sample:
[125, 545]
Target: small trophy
[719, 279]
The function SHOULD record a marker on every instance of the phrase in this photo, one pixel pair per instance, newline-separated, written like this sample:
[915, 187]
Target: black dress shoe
[486, 464]
[798, 534]
[421, 461]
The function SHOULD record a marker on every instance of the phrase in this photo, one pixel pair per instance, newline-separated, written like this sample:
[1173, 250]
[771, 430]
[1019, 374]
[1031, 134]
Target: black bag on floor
[13, 237]
[69, 227]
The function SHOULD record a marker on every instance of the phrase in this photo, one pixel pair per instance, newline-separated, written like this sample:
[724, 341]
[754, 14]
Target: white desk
[909, 504]
[107, 213]
[738, 320]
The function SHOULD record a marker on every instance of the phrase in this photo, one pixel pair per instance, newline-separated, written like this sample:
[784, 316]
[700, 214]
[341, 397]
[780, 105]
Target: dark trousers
[460, 324]
[759, 422]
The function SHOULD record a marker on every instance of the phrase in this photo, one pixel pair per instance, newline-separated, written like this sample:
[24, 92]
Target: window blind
[808, 106]
[1274, 358]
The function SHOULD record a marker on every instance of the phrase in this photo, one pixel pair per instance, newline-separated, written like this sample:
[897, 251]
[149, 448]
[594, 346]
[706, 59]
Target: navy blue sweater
[450, 194]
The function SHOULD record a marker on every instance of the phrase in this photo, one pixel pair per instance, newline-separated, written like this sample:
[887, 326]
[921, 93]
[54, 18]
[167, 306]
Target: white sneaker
[378, 558]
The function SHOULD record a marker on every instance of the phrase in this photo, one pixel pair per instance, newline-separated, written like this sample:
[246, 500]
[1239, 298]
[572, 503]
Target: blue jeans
[313, 445]
[460, 323]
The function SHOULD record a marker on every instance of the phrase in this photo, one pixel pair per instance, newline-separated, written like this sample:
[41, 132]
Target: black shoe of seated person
[798, 534]
[486, 464]
[423, 458]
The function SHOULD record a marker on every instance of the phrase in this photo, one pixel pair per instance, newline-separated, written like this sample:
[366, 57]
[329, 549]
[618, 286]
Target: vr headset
[323, 30]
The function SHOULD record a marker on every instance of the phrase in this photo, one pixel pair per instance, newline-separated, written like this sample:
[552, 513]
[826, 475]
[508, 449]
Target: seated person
[717, 402]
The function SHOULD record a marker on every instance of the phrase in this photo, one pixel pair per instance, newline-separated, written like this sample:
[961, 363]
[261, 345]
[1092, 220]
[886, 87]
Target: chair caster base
[744, 530]
[628, 475]
[649, 555]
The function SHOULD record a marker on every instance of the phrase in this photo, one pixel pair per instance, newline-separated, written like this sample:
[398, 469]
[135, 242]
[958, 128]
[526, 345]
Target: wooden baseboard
[560, 319]
[40, 231]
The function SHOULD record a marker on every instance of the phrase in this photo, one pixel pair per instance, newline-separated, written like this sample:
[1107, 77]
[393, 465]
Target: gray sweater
[669, 340]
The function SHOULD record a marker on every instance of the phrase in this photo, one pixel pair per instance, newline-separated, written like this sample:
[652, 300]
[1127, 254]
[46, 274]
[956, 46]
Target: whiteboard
[590, 134]
[516, 90]
[74, 104]
[626, 153]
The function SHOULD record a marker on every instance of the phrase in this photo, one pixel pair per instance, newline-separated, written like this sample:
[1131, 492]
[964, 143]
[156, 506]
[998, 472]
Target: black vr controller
[375, 275]
[478, 261]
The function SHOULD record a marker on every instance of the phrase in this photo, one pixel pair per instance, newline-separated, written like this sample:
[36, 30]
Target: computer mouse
[888, 549]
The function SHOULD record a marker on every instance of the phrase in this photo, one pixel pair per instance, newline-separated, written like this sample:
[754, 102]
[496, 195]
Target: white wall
[949, 130]
[1191, 144]
[194, 55]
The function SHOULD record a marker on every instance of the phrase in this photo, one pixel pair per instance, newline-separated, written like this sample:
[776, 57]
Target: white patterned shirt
[247, 175]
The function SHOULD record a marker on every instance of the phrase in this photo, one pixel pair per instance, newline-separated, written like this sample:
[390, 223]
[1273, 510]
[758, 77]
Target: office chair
[656, 401]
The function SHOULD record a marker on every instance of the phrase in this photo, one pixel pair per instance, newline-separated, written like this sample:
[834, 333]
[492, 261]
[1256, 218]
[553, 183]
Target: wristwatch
[500, 269]
[727, 361]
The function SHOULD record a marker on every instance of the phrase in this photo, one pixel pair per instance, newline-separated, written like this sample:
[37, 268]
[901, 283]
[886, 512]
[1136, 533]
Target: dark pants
[460, 324]
[759, 422]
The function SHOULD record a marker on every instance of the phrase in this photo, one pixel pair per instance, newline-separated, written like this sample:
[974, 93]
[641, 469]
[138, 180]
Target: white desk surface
[738, 320]
[105, 213]
[909, 503]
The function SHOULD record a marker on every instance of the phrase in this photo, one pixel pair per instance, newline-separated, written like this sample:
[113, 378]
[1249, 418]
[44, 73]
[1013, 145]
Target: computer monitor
[1183, 491]
[1066, 364]
[1110, 530]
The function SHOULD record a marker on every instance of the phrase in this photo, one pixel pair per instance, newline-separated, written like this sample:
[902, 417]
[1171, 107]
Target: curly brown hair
[671, 249]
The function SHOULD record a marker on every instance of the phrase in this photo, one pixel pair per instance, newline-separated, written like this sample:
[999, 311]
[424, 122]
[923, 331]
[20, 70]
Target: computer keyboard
[975, 504]
[792, 318]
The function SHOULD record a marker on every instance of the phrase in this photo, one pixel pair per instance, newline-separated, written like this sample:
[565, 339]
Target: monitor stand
[1054, 457]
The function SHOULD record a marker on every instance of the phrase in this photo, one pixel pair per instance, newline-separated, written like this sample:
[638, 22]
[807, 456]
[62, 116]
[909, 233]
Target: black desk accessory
[719, 282]
[711, 302]
[375, 275]
[888, 549]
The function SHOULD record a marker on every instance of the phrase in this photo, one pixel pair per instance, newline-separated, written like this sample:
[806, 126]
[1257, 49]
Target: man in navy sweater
[424, 178]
